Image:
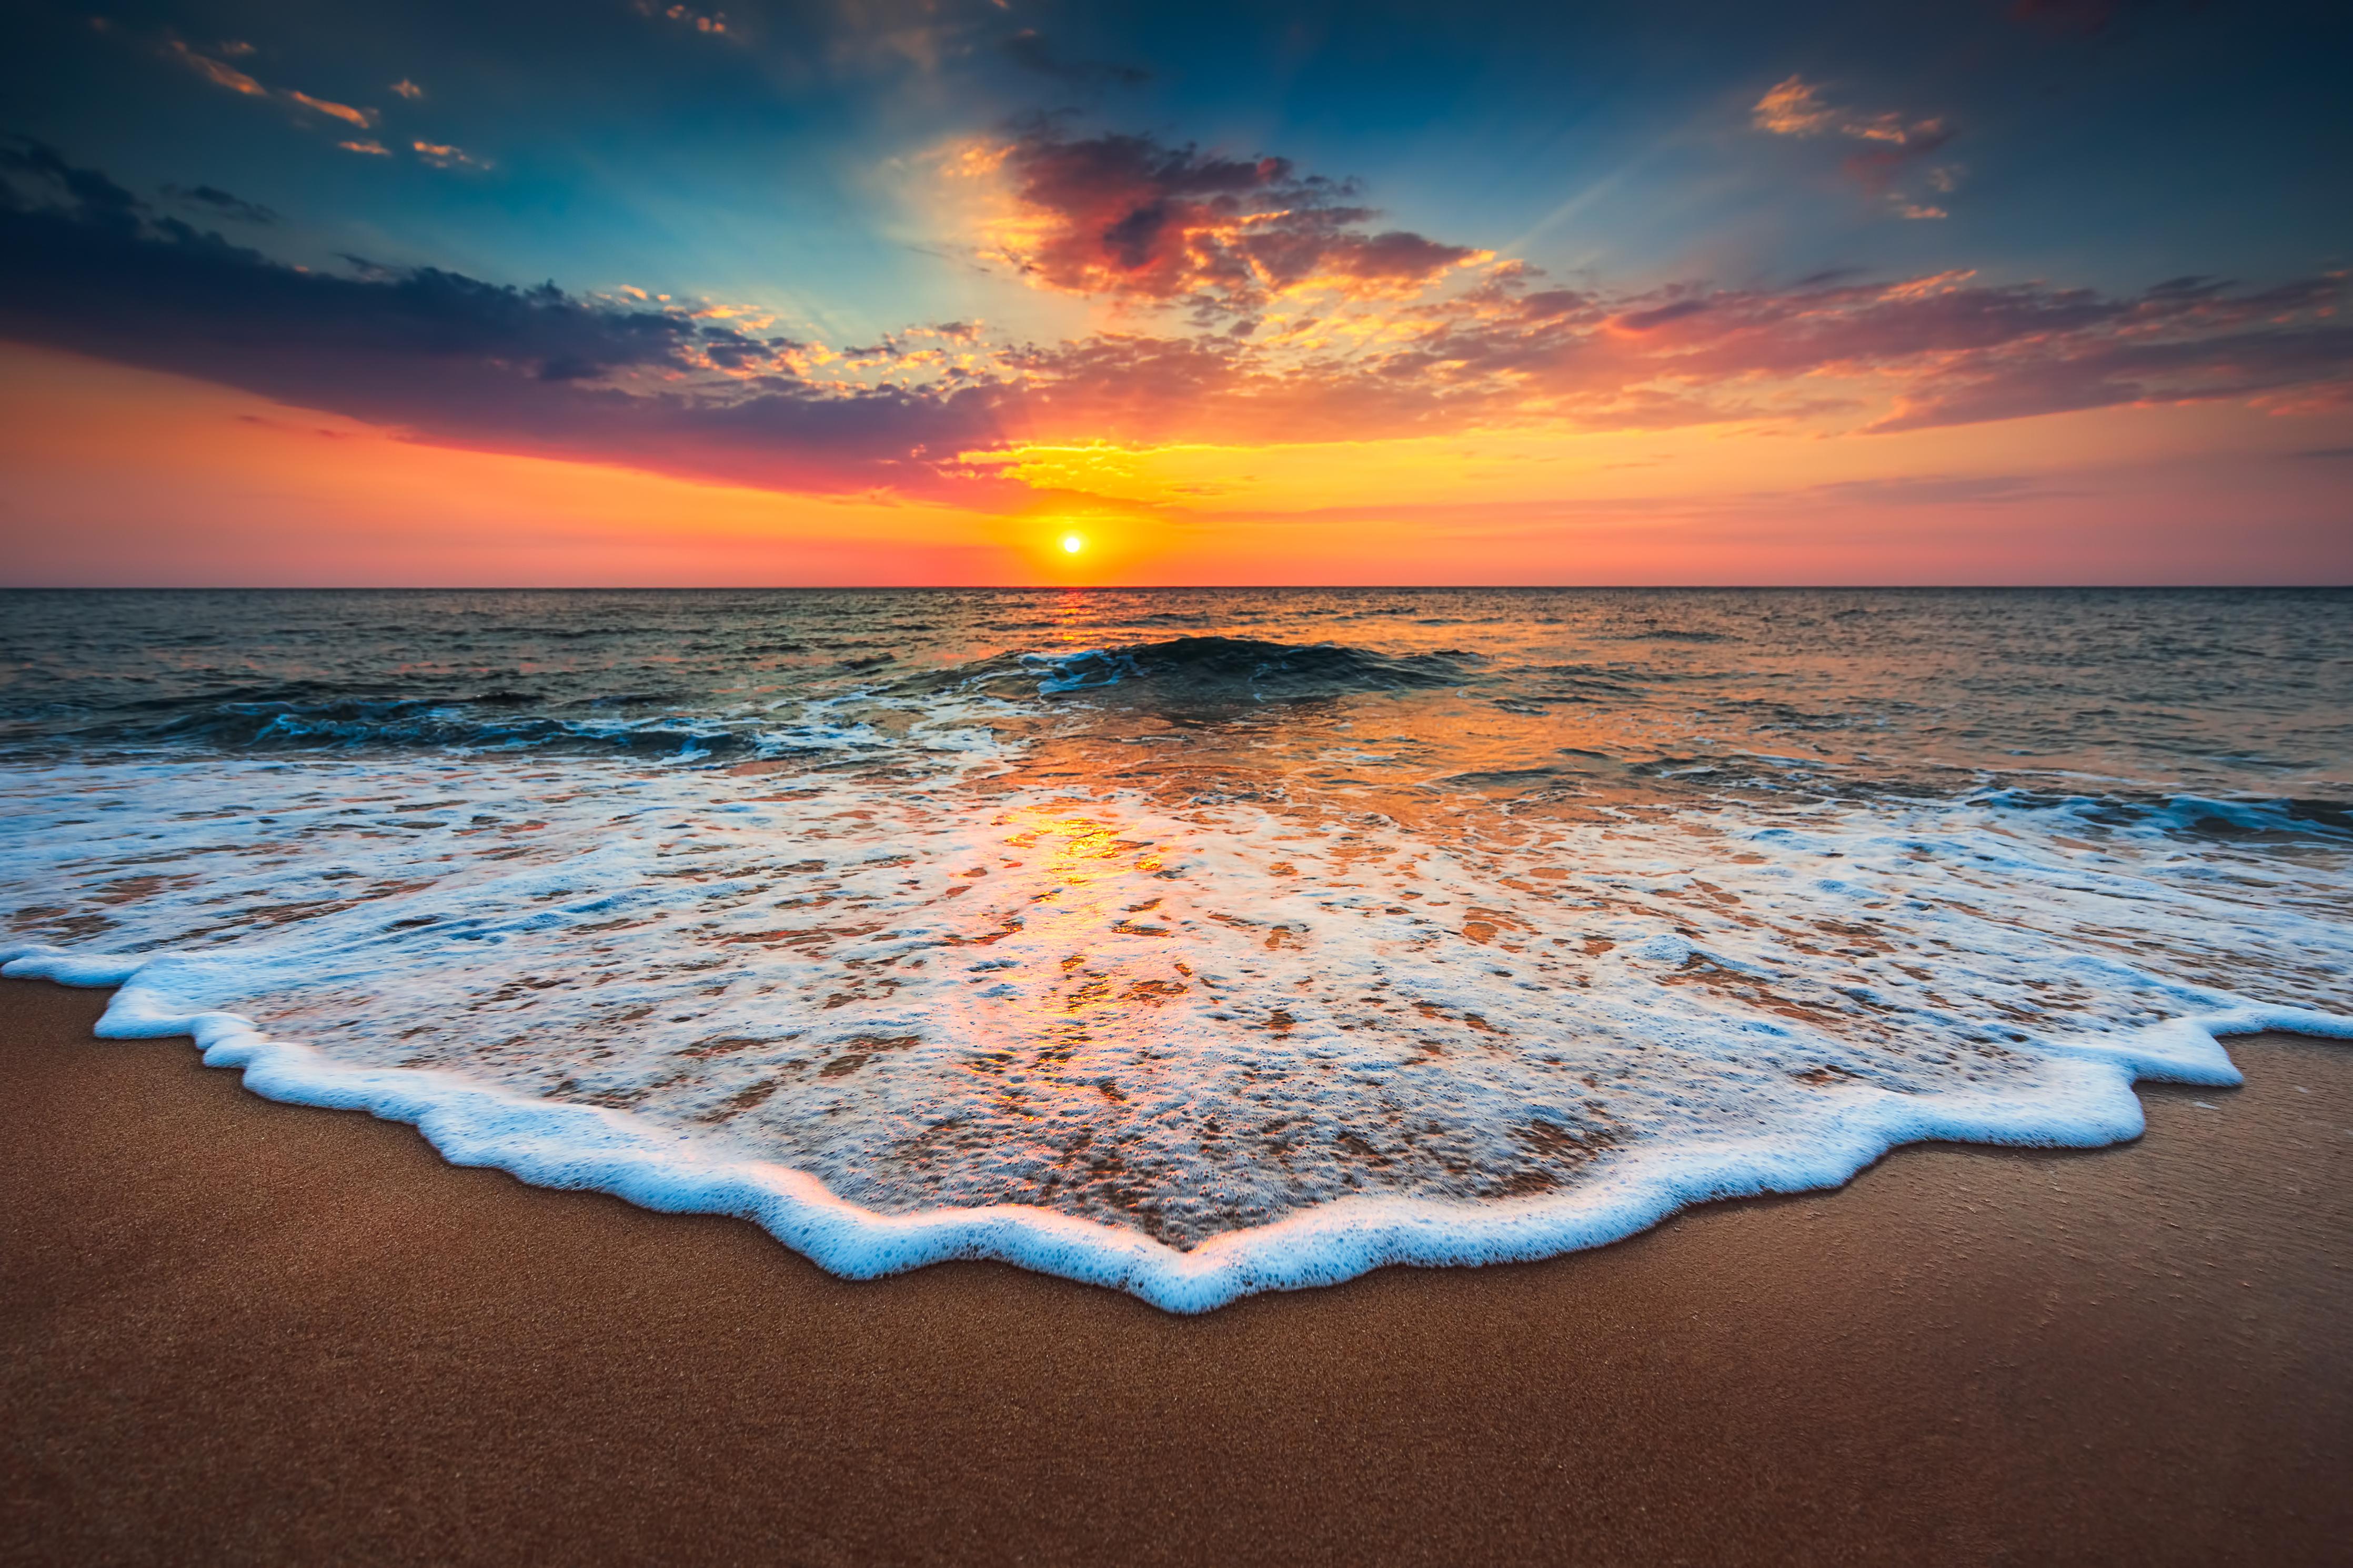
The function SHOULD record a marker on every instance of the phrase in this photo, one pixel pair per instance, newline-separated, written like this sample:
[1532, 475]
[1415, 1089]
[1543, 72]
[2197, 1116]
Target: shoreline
[2090, 1103]
[579, 1148]
[238, 1328]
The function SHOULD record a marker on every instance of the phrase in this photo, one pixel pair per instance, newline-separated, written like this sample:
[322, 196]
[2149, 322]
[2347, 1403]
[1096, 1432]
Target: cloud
[1875, 167]
[221, 203]
[1891, 141]
[1793, 108]
[1133, 219]
[443, 156]
[268, 424]
[2153, 350]
[223, 75]
[85, 267]
[373, 149]
[685, 15]
[215, 72]
[1030, 50]
[685, 388]
[408, 89]
[94, 201]
[362, 118]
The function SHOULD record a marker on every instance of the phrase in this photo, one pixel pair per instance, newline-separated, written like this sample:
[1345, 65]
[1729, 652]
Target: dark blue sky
[779, 163]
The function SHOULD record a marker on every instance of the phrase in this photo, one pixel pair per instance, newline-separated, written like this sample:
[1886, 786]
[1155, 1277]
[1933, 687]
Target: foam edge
[595, 1149]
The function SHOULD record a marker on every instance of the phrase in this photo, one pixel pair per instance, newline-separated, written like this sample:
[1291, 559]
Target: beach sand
[240, 1331]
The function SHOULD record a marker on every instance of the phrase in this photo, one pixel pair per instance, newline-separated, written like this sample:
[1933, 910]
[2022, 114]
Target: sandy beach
[240, 1331]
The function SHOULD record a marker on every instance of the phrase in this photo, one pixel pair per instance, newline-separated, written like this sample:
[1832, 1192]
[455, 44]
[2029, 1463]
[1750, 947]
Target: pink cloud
[1128, 218]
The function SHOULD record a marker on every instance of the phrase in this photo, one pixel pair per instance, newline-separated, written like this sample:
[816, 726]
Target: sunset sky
[625, 291]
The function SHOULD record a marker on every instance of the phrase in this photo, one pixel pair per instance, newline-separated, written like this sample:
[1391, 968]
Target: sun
[1072, 543]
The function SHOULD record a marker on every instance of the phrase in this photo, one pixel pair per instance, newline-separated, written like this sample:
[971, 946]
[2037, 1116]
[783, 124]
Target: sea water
[1190, 942]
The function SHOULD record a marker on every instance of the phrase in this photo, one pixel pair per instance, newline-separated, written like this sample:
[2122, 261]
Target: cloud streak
[215, 202]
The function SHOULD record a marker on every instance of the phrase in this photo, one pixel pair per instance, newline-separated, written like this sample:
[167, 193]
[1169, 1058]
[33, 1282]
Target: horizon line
[1168, 587]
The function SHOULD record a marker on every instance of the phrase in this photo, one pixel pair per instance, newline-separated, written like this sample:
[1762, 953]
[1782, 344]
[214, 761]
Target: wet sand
[240, 1331]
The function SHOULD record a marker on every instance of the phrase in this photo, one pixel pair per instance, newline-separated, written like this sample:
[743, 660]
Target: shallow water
[1192, 941]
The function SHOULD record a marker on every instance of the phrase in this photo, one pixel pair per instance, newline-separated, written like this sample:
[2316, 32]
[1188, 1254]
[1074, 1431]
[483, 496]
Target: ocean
[1190, 942]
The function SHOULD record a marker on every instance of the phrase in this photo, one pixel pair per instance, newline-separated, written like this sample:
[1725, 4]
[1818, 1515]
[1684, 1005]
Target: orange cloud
[442, 156]
[219, 74]
[362, 118]
[714, 22]
[128, 476]
[237, 81]
[1795, 107]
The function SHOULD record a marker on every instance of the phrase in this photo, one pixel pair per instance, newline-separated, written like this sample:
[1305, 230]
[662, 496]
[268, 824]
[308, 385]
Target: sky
[615, 292]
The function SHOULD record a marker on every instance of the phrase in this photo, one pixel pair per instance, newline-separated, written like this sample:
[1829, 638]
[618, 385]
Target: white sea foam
[1189, 1050]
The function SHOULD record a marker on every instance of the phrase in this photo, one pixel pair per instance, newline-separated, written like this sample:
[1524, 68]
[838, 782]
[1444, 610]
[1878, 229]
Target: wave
[1223, 667]
[381, 716]
[1670, 634]
[647, 726]
[496, 721]
[2185, 815]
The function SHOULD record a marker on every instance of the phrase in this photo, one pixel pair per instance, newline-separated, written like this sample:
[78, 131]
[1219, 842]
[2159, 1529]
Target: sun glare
[1073, 544]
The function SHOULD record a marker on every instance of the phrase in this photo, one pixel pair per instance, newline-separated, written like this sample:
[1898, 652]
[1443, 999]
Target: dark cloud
[446, 356]
[1644, 320]
[1031, 50]
[212, 199]
[99, 201]
[2161, 348]
[2194, 286]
